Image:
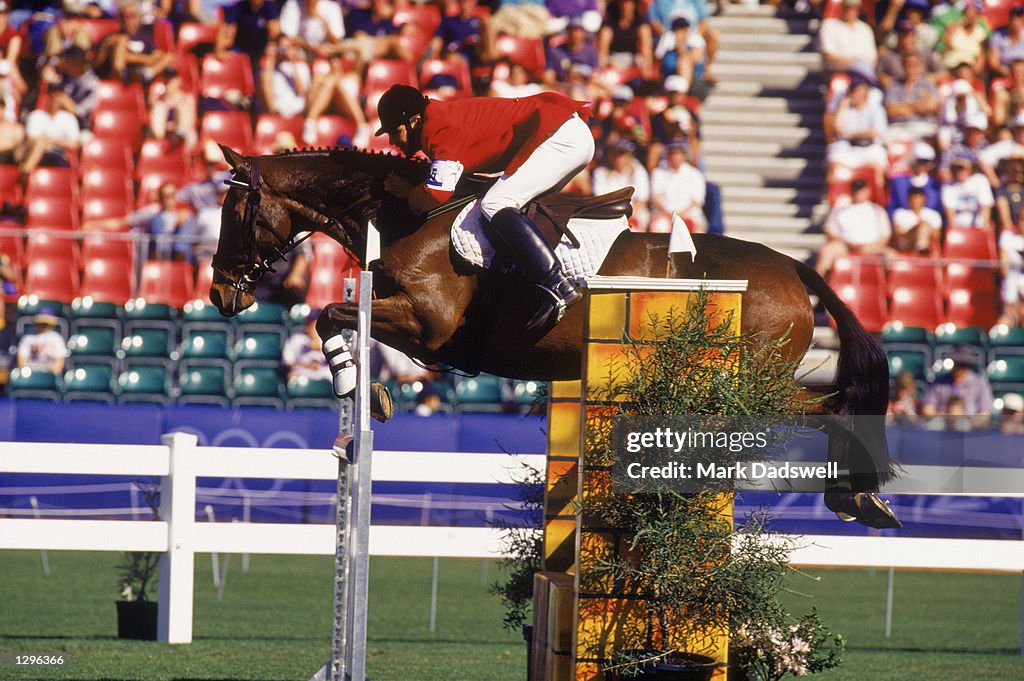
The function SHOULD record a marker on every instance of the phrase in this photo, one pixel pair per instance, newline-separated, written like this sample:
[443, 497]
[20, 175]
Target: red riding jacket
[489, 134]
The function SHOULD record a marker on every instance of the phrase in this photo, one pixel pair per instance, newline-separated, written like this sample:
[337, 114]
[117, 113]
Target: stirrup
[864, 507]
[563, 294]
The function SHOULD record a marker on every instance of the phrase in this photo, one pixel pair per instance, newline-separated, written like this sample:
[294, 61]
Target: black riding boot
[514, 233]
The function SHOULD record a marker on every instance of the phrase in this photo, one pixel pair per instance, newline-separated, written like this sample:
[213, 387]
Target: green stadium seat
[261, 348]
[306, 393]
[92, 345]
[26, 384]
[297, 317]
[528, 393]
[89, 382]
[143, 383]
[258, 386]
[203, 384]
[138, 314]
[915, 362]
[206, 344]
[897, 332]
[29, 305]
[479, 393]
[948, 337]
[1007, 374]
[1005, 340]
[200, 311]
[148, 346]
[262, 314]
[87, 308]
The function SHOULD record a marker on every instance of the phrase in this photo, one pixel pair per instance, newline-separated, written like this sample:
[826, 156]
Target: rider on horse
[537, 143]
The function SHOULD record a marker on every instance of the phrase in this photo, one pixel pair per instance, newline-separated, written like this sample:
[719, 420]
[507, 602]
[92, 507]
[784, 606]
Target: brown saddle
[552, 212]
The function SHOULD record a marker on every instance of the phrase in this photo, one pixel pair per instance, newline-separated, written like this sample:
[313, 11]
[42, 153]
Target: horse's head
[262, 220]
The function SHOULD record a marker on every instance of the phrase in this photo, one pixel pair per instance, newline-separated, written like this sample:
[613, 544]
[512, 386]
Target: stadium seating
[479, 393]
[106, 246]
[52, 280]
[330, 128]
[160, 156]
[118, 124]
[259, 348]
[219, 77]
[10, 187]
[305, 393]
[51, 212]
[93, 345]
[968, 307]
[89, 382]
[114, 95]
[143, 383]
[203, 384]
[1007, 374]
[107, 280]
[458, 70]
[45, 182]
[107, 183]
[258, 387]
[383, 73]
[26, 384]
[839, 189]
[110, 154]
[916, 306]
[49, 246]
[230, 128]
[868, 304]
[268, 126]
[262, 316]
[206, 346]
[192, 34]
[908, 361]
[970, 244]
[1005, 340]
[166, 282]
[98, 29]
[529, 394]
[147, 346]
[527, 52]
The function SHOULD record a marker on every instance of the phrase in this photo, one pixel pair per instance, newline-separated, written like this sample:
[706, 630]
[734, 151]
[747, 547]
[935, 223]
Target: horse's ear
[234, 159]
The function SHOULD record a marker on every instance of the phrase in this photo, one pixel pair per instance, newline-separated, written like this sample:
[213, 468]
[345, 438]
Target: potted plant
[137, 572]
[692, 570]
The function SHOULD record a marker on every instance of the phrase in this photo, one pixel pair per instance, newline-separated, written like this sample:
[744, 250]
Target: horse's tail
[862, 375]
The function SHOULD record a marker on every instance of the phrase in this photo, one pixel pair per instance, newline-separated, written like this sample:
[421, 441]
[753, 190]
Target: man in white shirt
[860, 228]
[916, 229]
[314, 23]
[680, 188]
[50, 133]
[622, 169]
[968, 199]
[1007, 147]
[45, 349]
[847, 41]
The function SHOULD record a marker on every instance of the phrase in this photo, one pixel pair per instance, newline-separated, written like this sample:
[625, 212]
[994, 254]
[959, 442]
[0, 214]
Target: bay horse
[432, 306]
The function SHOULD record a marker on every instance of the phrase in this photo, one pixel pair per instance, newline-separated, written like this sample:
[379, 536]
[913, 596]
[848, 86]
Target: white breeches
[550, 167]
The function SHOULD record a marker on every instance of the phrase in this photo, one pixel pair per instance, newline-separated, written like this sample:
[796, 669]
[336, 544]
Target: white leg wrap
[343, 367]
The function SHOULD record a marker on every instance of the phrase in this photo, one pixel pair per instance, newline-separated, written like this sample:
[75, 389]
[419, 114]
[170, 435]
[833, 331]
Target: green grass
[274, 623]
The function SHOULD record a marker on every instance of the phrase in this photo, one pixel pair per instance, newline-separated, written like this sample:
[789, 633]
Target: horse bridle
[255, 266]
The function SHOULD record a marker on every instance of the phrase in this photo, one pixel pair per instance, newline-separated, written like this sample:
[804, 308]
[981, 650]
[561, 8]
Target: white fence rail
[179, 461]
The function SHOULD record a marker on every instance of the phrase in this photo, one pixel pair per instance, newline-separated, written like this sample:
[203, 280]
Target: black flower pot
[137, 620]
[676, 667]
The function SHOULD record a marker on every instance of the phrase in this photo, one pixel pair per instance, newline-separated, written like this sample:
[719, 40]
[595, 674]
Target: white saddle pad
[596, 238]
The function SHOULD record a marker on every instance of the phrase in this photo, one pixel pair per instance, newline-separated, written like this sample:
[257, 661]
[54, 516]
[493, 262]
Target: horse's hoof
[382, 407]
[864, 507]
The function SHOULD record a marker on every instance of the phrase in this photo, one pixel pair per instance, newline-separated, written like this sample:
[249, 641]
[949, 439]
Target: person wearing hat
[846, 40]
[1009, 145]
[962, 382]
[861, 227]
[625, 39]
[79, 84]
[916, 228]
[1011, 416]
[620, 168]
[675, 124]
[578, 48]
[912, 102]
[663, 15]
[679, 188]
[858, 128]
[922, 163]
[915, 13]
[967, 200]
[538, 143]
[1006, 44]
[890, 59]
[303, 354]
[44, 349]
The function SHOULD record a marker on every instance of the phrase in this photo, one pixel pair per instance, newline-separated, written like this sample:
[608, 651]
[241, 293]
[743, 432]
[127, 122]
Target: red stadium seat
[10, 186]
[204, 279]
[527, 52]
[231, 72]
[45, 182]
[330, 128]
[230, 128]
[103, 208]
[858, 271]
[49, 247]
[329, 253]
[149, 185]
[52, 213]
[163, 35]
[107, 281]
[383, 73]
[425, 18]
[997, 12]
[613, 76]
[191, 34]
[166, 282]
[268, 126]
[327, 286]
[456, 68]
[98, 29]
[51, 280]
[97, 245]
[160, 156]
[973, 308]
[965, 275]
[915, 272]
[116, 96]
[916, 306]
[125, 126]
[970, 244]
[101, 183]
[868, 304]
[12, 245]
[110, 154]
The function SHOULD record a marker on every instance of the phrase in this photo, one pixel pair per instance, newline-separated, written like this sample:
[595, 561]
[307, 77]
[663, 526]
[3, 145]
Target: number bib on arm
[444, 175]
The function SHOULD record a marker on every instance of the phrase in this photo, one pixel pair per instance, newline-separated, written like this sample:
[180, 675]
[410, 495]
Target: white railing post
[178, 510]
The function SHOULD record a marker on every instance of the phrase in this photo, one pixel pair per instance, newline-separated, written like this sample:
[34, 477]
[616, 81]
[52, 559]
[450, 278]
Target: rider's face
[399, 137]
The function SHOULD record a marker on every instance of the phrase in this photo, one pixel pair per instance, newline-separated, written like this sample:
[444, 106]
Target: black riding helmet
[398, 105]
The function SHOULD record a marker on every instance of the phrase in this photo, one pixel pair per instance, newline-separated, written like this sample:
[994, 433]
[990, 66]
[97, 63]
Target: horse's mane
[373, 162]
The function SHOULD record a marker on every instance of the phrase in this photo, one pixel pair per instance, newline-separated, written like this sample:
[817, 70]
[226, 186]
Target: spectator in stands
[625, 39]
[847, 42]
[860, 228]
[968, 199]
[8, 287]
[920, 177]
[1008, 102]
[465, 35]
[1010, 144]
[578, 48]
[428, 402]
[52, 134]
[1010, 195]
[251, 27]
[912, 102]
[81, 85]
[130, 54]
[316, 25]
[683, 53]
[1011, 418]
[161, 221]
[679, 188]
[915, 13]
[375, 35]
[564, 11]
[179, 11]
[201, 229]
[1006, 44]
[522, 18]
[397, 366]
[12, 137]
[286, 79]
[518, 83]
[858, 129]
[964, 383]
[890, 60]
[11, 91]
[303, 353]
[1011, 260]
[623, 122]
[662, 14]
[287, 286]
[43, 350]
[66, 32]
[675, 124]
[622, 169]
[903, 402]
[917, 228]
[173, 110]
[964, 39]
[10, 37]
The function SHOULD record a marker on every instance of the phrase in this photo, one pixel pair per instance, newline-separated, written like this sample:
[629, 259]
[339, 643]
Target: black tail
[862, 381]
